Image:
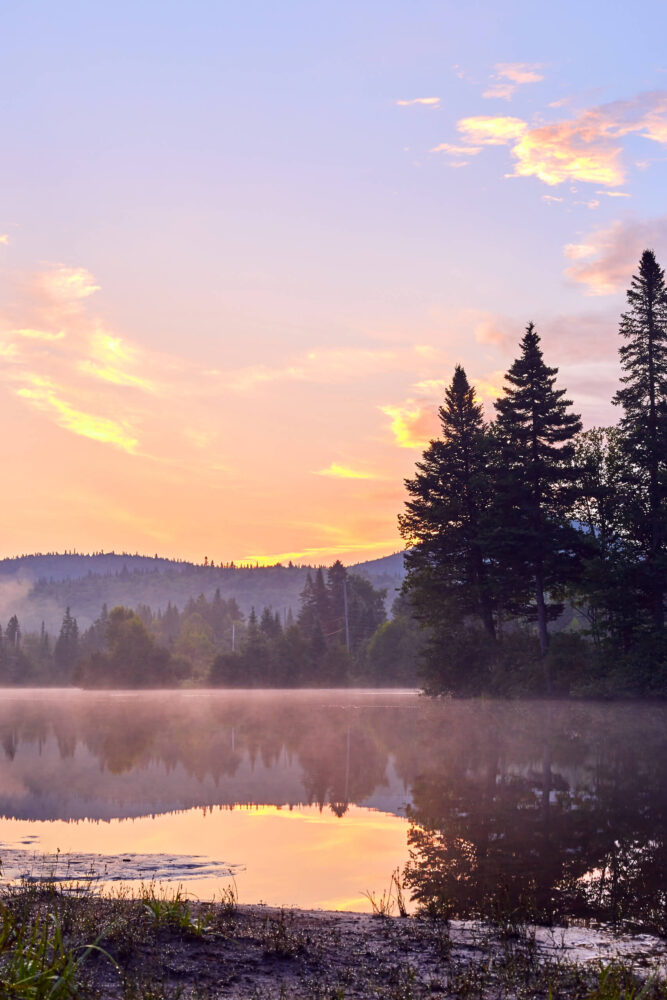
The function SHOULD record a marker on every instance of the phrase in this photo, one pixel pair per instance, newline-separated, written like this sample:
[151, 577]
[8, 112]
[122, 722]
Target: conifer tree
[644, 422]
[535, 479]
[67, 645]
[13, 632]
[447, 568]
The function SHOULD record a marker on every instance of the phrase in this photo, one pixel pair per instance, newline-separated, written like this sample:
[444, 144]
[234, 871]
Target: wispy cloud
[116, 376]
[508, 77]
[413, 423]
[67, 284]
[320, 365]
[318, 554]
[447, 147]
[43, 394]
[607, 257]
[44, 335]
[429, 102]
[338, 471]
[587, 148]
[62, 347]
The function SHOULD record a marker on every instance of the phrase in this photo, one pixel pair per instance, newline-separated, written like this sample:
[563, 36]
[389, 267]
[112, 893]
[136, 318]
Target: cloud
[4, 239]
[317, 554]
[580, 251]
[490, 386]
[498, 130]
[321, 365]
[509, 77]
[520, 72]
[586, 148]
[413, 423]
[551, 199]
[45, 335]
[336, 471]
[446, 147]
[57, 346]
[615, 194]
[488, 328]
[429, 102]
[41, 393]
[606, 260]
[116, 376]
[67, 284]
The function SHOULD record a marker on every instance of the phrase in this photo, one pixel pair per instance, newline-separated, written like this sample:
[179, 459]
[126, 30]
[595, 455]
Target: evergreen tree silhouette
[536, 478]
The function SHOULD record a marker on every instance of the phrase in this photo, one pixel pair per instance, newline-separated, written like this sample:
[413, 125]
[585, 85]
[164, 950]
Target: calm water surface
[311, 798]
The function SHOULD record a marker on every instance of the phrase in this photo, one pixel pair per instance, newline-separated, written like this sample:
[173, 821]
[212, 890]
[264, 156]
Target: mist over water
[311, 797]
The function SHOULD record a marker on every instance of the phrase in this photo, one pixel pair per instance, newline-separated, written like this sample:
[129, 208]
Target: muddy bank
[161, 947]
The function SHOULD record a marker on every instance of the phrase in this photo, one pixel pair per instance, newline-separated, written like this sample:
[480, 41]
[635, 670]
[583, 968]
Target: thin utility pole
[347, 620]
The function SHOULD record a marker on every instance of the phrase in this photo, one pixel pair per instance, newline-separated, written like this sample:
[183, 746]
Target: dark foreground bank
[160, 946]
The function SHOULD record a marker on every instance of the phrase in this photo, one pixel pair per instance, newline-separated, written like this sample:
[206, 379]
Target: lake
[314, 798]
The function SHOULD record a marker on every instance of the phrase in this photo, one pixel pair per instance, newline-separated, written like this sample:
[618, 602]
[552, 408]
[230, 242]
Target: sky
[243, 246]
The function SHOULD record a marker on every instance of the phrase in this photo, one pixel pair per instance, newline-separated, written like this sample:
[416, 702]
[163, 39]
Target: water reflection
[543, 811]
[84, 755]
[530, 809]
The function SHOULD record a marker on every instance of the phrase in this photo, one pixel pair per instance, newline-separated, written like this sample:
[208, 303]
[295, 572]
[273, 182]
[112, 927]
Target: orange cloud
[430, 102]
[492, 130]
[490, 387]
[607, 258]
[509, 77]
[68, 284]
[413, 424]
[446, 147]
[116, 376]
[520, 72]
[337, 471]
[321, 365]
[45, 335]
[585, 148]
[318, 554]
[41, 393]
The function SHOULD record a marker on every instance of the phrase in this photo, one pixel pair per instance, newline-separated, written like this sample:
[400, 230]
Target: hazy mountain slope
[39, 587]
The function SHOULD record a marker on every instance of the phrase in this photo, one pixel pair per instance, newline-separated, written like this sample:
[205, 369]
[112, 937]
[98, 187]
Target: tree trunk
[542, 630]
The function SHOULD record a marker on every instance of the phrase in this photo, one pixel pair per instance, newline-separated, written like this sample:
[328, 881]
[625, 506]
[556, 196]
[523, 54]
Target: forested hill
[39, 587]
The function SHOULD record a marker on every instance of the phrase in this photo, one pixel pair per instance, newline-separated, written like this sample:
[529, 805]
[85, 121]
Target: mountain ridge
[40, 586]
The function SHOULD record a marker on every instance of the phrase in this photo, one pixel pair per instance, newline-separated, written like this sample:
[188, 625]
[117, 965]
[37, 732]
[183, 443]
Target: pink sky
[235, 278]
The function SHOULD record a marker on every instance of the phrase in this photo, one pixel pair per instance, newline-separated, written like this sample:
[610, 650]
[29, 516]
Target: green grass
[60, 944]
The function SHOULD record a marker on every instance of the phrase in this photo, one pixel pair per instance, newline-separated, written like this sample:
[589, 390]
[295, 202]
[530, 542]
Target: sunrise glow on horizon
[242, 249]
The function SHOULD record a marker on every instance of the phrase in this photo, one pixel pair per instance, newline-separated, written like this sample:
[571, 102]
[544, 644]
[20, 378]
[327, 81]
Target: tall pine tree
[535, 478]
[447, 568]
[644, 423]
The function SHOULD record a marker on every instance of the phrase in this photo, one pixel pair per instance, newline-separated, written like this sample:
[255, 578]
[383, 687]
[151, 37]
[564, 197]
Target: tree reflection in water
[543, 811]
[517, 809]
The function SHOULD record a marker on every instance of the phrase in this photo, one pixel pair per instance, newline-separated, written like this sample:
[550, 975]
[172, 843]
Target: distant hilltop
[38, 587]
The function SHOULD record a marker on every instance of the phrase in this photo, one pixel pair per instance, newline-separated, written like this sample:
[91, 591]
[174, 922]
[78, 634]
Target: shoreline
[161, 946]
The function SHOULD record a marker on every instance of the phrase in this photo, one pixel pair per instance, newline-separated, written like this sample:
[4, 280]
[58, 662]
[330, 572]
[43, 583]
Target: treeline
[84, 584]
[510, 521]
[340, 636]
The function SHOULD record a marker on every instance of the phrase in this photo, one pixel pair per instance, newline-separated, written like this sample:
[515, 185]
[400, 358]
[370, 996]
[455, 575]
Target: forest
[511, 522]
[535, 563]
[339, 636]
